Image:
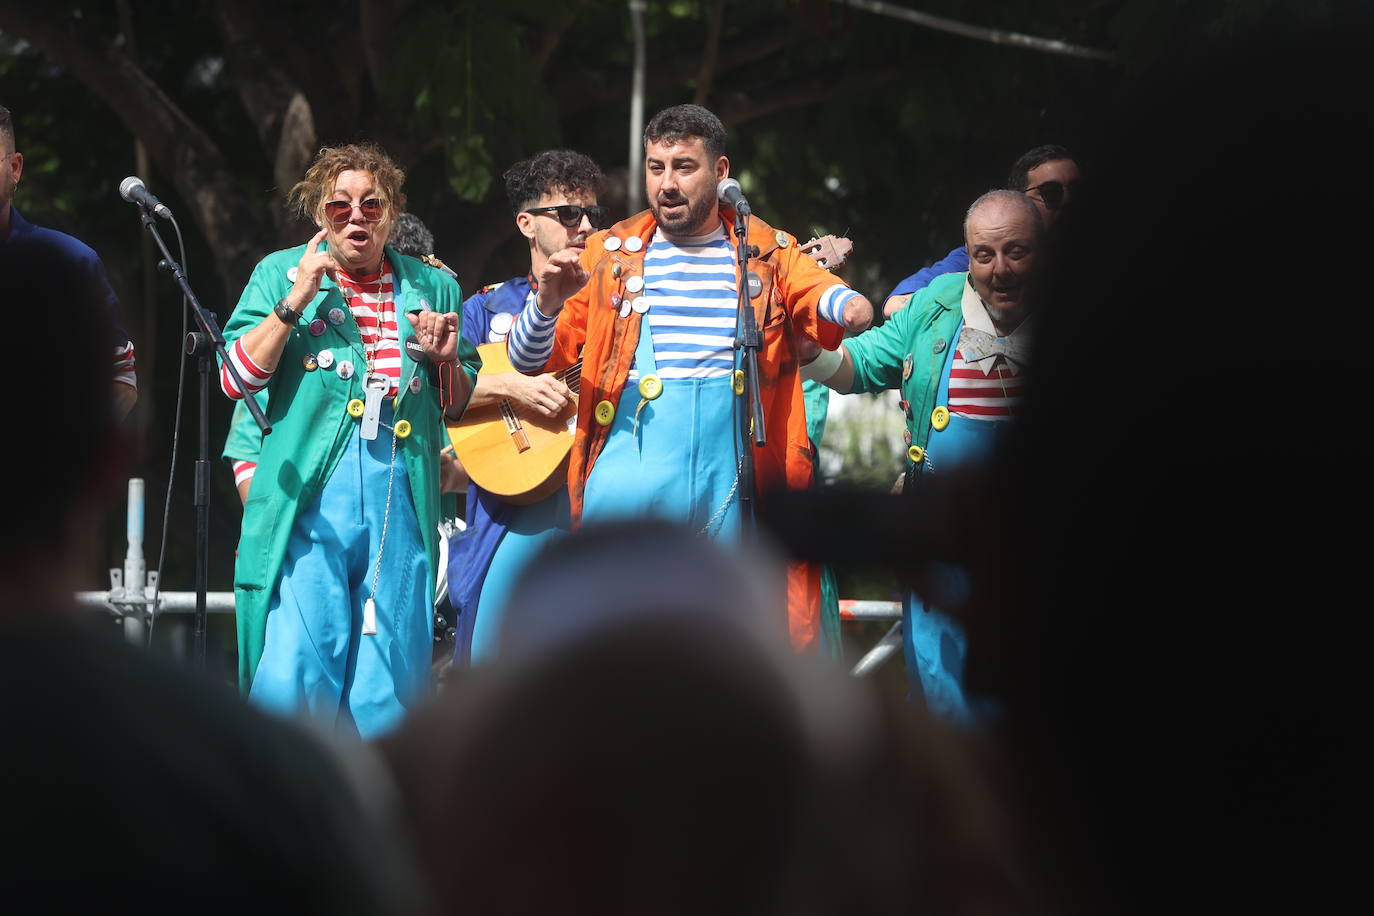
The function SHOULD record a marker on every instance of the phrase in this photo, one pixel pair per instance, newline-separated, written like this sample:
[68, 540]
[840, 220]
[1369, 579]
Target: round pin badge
[612, 243]
[325, 358]
[641, 304]
[755, 284]
[345, 369]
[625, 306]
[634, 284]
[415, 385]
[317, 327]
[291, 274]
[782, 239]
[906, 367]
[309, 363]
[616, 271]
[615, 300]
[336, 316]
[634, 243]
[500, 323]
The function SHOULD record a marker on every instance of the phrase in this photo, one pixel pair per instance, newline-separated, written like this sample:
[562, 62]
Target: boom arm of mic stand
[206, 319]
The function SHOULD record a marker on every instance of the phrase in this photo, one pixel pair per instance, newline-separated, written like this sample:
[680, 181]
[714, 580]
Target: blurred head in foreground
[62, 423]
[648, 744]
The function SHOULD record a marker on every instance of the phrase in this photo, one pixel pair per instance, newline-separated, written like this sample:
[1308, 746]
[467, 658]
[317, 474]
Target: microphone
[729, 193]
[132, 190]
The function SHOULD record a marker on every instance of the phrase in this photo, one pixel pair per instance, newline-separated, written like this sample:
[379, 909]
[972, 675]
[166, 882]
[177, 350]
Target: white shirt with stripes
[689, 287]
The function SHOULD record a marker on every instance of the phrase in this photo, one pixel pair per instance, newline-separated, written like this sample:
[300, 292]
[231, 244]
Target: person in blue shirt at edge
[1047, 174]
[958, 353]
[554, 199]
[21, 237]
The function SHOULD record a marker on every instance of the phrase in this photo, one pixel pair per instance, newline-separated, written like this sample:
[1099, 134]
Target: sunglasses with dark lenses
[339, 212]
[570, 215]
[1054, 193]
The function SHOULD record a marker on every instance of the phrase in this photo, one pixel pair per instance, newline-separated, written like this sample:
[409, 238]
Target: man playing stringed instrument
[553, 196]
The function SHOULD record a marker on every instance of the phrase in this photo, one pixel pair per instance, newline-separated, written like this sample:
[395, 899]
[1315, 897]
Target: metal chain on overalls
[381, 547]
[729, 498]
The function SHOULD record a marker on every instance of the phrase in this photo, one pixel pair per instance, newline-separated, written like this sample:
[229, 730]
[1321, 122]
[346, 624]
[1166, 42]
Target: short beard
[691, 222]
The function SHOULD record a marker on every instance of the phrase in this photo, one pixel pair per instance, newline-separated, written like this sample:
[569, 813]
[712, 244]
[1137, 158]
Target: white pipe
[135, 566]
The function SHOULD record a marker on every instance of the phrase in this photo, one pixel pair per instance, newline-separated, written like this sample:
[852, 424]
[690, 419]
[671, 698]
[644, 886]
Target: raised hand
[560, 277]
[313, 265]
[437, 333]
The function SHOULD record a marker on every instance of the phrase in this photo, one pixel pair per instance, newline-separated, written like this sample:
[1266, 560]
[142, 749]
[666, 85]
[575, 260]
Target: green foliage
[461, 73]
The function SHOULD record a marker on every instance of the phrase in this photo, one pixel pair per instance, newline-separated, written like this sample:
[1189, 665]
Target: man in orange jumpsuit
[650, 307]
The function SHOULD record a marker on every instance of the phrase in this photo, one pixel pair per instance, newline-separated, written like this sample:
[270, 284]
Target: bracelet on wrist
[286, 313]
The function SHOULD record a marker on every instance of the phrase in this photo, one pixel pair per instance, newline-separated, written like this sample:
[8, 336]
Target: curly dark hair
[409, 235]
[685, 121]
[1019, 178]
[6, 128]
[549, 172]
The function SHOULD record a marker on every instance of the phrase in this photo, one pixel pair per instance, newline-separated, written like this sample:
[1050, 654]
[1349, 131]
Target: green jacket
[311, 424]
[923, 331]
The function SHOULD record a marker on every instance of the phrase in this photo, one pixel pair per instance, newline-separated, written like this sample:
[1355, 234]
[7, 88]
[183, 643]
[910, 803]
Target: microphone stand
[749, 341]
[202, 345]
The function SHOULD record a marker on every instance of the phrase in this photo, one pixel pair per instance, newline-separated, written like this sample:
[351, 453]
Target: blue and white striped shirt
[689, 287]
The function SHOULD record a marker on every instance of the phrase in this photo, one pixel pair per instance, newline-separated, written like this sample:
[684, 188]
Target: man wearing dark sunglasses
[553, 196]
[1047, 174]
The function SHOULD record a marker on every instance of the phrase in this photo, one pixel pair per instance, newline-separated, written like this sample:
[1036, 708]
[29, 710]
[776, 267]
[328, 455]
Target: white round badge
[634, 284]
[325, 358]
[291, 274]
[634, 243]
[641, 304]
[612, 244]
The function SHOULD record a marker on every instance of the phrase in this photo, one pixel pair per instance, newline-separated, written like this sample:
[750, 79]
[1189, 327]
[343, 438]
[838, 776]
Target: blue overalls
[315, 659]
[671, 456]
[934, 644]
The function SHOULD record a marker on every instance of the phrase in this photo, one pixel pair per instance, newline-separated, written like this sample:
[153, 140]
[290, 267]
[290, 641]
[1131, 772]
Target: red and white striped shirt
[979, 396]
[243, 470]
[991, 388]
[372, 300]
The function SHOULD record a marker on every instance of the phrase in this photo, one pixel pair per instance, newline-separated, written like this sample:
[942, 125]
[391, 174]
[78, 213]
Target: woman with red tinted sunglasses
[359, 351]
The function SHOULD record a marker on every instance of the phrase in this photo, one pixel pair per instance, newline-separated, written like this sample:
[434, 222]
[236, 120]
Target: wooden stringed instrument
[522, 456]
[510, 450]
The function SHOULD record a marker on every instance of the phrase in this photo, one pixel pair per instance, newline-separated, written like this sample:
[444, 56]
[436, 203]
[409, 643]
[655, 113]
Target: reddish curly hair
[308, 195]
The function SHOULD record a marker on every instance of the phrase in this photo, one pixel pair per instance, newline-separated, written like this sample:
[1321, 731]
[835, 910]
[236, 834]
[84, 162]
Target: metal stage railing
[133, 589]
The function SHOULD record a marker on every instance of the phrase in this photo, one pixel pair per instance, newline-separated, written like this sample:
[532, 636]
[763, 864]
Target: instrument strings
[571, 376]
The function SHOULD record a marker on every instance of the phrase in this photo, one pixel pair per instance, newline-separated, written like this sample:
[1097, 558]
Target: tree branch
[180, 149]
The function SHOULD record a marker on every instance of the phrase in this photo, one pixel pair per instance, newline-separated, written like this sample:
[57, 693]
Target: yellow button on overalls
[650, 387]
[939, 418]
[402, 429]
[604, 413]
[916, 454]
[355, 408]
